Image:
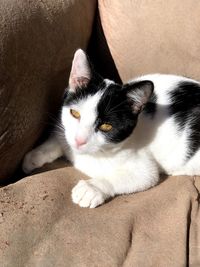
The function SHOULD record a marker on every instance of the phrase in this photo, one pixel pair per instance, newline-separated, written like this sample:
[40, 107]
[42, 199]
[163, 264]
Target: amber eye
[105, 127]
[75, 114]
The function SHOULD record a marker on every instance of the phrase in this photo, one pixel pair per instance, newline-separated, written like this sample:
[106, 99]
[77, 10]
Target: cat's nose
[80, 141]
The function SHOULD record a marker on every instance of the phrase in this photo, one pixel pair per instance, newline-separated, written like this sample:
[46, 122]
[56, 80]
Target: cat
[123, 136]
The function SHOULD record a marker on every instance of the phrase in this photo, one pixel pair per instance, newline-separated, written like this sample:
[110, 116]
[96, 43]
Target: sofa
[39, 224]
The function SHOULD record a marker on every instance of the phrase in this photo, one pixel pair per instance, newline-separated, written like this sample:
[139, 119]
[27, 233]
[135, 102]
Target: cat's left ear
[80, 74]
[139, 94]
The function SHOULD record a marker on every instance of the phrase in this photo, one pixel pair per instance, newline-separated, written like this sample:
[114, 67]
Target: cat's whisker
[53, 117]
[115, 111]
[107, 106]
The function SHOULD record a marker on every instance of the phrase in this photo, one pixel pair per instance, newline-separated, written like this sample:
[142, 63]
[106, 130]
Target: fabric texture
[38, 39]
[40, 226]
[152, 36]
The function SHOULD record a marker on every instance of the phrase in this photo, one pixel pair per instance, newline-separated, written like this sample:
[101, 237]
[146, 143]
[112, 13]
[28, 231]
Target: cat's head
[98, 113]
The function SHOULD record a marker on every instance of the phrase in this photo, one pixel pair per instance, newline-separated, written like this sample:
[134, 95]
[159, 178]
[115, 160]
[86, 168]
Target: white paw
[85, 194]
[33, 160]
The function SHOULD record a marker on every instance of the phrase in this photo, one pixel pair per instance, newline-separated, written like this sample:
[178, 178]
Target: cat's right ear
[80, 74]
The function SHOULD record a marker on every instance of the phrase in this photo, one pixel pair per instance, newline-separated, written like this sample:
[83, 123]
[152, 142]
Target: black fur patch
[151, 106]
[115, 109]
[185, 107]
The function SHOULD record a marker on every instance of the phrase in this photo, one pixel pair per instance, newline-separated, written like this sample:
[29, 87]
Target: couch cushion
[38, 39]
[40, 226]
[153, 36]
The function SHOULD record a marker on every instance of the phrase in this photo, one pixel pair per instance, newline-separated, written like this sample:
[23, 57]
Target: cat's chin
[80, 151]
[84, 150]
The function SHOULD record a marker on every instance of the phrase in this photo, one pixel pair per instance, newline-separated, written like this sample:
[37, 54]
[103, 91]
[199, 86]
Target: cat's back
[172, 119]
[166, 84]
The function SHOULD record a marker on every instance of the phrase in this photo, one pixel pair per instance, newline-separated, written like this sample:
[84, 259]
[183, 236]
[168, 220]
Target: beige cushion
[40, 226]
[153, 36]
[38, 39]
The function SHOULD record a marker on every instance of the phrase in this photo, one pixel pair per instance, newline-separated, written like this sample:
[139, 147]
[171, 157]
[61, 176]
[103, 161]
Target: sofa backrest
[152, 36]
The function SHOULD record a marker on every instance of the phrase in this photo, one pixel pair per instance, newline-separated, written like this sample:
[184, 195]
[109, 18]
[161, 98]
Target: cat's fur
[155, 129]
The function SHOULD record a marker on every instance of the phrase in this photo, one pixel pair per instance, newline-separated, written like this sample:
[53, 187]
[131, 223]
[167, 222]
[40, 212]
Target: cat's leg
[139, 176]
[47, 152]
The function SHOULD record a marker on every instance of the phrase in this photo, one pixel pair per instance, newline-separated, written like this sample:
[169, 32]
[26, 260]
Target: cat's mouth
[85, 149]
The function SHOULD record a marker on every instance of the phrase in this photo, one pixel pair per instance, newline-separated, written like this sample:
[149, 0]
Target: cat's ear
[80, 74]
[139, 94]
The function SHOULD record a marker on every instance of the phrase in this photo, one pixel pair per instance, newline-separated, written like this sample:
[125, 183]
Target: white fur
[45, 153]
[134, 164]
[84, 127]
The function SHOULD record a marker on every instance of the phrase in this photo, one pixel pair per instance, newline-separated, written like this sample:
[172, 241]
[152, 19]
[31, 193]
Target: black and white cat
[124, 136]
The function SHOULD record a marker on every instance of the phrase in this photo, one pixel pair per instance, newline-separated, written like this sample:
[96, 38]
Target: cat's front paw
[33, 160]
[86, 194]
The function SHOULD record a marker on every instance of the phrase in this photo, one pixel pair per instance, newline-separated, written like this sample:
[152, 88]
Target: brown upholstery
[38, 39]
[39, 224]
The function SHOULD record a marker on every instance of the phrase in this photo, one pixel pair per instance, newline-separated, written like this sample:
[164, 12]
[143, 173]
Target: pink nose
[80, 141]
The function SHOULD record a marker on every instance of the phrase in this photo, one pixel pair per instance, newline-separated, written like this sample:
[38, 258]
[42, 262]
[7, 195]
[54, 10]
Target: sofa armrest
[38, 39]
